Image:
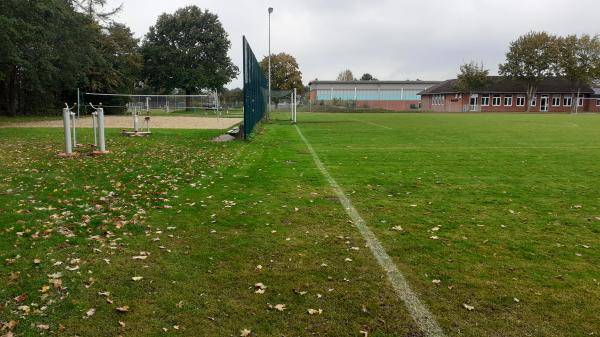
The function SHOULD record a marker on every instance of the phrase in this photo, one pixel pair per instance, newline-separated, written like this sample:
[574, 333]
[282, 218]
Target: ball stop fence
[255, 91]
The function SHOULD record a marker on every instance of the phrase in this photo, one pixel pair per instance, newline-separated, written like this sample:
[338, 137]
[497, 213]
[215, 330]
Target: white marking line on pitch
[417, 310]
[371, 123]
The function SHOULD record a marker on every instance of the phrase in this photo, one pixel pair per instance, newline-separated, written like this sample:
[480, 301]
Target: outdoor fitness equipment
[135, 113]
[98, 126]
[69, 123]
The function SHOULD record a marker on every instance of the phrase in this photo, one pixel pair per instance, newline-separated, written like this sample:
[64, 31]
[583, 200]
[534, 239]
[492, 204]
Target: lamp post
[270, 12]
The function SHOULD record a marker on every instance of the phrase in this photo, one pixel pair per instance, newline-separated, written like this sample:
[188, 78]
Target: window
[520, 100]
[496, 101]
[533, 101]
[580, 101]
[556, 100]
[485, 100]
[438, 100]
[508, 100]
[598, 102]
[568, 101]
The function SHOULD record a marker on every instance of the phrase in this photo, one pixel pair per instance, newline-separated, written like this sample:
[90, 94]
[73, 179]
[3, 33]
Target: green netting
[255, 91]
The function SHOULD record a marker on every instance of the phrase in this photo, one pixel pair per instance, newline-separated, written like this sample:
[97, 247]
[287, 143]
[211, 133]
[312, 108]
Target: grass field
[498, 213]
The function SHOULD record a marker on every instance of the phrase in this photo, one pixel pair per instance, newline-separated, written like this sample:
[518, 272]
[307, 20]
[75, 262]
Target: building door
[473, 103]
[544, 103]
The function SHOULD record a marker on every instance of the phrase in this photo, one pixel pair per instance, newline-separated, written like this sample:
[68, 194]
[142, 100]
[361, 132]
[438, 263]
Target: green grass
[514, 201]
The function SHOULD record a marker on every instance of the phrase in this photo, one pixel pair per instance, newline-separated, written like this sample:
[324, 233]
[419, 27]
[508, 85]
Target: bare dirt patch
[126, 122]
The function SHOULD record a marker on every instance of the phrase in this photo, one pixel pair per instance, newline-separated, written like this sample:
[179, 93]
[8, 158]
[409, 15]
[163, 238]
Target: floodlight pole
[270, 12]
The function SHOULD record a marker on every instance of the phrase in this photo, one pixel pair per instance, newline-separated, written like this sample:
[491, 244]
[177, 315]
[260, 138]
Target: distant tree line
[48, 48]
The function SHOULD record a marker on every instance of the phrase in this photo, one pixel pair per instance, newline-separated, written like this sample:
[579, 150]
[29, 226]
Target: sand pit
[126, 122]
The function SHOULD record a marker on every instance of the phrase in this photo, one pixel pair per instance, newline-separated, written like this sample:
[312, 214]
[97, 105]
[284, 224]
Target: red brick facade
[461, 103]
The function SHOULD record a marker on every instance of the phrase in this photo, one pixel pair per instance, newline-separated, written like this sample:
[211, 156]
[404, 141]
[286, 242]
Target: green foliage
[346, 75]
[49, 49]
[94, 9]
[367, 77]
[531, 58]
[579, 60]
[472, 77]
[285, 72]
[188, 50]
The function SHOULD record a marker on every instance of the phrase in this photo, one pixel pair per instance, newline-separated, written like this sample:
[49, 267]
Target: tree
[285, 72]
[472, 77]
[579, 62]
[367, 77]
[531, 59]
[188, 50]
[48, 49]
[346, 75]
[93, 9]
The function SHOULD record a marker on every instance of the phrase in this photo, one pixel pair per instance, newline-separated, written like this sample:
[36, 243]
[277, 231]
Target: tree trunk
[12, 101]
[577, 99]
[530, 92]
[188, 100]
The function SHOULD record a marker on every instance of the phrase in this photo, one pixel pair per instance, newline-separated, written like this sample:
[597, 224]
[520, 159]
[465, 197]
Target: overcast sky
[391, 39]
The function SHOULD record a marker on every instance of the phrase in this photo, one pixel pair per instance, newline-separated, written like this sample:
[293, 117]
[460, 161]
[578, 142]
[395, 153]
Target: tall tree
[285, 72]
[472, 77]
[95, 9]
[188, 50]
[579, 62]
[48, 49]
[367, 77]
[346, 75]
[531, 59]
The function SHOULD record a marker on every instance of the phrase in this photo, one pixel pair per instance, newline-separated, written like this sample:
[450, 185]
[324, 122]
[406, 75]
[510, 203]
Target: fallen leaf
[43, 326]
[137, 278]
[468, 307]
[90, 313]
[245, 333]
[280, 307]
[123, 309]
[314, 311]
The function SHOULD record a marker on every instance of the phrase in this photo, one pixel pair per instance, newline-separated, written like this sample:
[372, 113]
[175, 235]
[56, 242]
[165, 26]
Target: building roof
[373, 82]
[596, 92]
[502, 85]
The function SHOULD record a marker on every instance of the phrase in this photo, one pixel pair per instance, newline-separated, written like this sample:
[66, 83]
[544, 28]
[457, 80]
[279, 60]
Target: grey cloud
[390, 39]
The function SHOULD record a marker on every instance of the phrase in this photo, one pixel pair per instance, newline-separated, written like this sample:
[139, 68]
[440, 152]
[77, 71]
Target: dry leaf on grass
[90, 313]
[245, 332]
[279, 307]
[124, 308]
[315, 311]
[468, 307]
[137, 278]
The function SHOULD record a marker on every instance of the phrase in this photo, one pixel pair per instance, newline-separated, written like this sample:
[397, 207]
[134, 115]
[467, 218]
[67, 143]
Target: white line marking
[417, 310]
[371, 123]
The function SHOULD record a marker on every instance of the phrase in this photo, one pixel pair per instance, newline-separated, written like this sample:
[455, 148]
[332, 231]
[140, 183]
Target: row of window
[499, 100]
[369, 94]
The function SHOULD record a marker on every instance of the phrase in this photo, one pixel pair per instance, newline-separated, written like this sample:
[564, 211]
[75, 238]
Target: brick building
[505, 95]
[385, 95]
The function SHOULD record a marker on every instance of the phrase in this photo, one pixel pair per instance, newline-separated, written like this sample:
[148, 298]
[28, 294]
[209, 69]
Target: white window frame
[597, 101]
[485, 100]
[533, 101]
[554, 98]
[569, 99]
[521, 100]
[508, 100]
[580, 101]
[499, 100]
